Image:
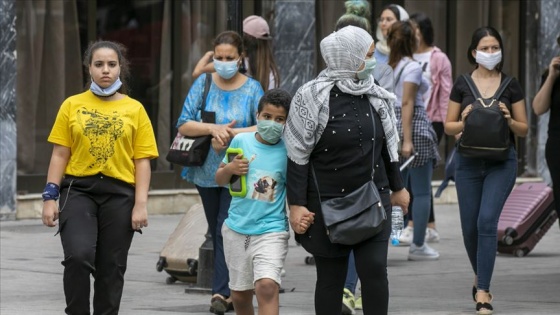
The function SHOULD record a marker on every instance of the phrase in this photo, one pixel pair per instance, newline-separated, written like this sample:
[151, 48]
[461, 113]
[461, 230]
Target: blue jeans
[482, 189]
[215, 201]
[420, 180]
[351, 274]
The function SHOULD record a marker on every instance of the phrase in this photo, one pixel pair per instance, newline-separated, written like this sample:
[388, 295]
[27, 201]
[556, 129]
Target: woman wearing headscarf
[389, 15]
[331, 132]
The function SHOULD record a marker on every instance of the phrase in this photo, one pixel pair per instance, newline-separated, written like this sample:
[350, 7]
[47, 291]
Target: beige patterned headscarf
[344, 52]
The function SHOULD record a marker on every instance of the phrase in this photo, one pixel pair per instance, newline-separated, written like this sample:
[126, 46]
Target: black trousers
[96, 233]
[552, 155]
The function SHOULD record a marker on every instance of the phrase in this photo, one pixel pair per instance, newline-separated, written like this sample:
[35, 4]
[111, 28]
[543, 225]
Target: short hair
[275, 97]
[425, 26]
[477, 36]
[124, 64]
[357, 14]
[231, 38]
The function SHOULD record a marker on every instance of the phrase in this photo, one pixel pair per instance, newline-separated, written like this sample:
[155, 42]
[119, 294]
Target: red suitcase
[527, 215]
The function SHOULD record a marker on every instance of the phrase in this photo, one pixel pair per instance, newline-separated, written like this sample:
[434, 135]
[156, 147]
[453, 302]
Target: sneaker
[406, 236]
[348, 302]
[423, 252]
[358, 304]
[432, 236]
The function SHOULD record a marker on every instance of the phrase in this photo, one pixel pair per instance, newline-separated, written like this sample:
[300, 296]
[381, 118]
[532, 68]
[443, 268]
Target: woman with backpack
[484, 183]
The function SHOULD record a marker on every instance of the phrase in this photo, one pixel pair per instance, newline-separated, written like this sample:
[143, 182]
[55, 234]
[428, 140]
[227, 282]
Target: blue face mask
[270, 130]
[368, 68]
[226, 69]
[112, 89]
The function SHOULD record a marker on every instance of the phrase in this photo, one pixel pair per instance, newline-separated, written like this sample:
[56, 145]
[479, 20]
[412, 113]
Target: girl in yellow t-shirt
[100, 168]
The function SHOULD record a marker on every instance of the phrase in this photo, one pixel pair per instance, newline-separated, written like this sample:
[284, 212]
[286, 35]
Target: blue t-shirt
[263, 209]
[240, 105]
[380, 57]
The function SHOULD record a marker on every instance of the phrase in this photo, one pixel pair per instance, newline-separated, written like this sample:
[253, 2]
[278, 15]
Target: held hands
[139, 217]
[222, 134]
[301, 219]
[50, 213]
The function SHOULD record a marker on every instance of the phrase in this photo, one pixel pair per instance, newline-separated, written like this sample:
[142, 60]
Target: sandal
[484, 308]
[474, 293]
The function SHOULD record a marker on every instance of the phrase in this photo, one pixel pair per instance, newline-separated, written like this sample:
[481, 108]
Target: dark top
[461, 94]
[554, 120]
[342, 161]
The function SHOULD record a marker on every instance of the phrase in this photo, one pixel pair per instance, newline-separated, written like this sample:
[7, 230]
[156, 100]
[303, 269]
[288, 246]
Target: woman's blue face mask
[226, 69]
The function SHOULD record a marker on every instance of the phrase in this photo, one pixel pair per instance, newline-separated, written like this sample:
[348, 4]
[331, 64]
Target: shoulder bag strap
[207, 84]
[400, 72]
[372, 155]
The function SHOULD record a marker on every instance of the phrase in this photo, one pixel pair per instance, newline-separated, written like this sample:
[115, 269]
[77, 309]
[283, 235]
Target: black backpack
[486, 131]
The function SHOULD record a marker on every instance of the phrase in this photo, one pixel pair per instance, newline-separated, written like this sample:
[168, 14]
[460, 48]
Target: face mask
[270, 130]
[226, 69]
[368, 68]
[488, 60]
[112, 89]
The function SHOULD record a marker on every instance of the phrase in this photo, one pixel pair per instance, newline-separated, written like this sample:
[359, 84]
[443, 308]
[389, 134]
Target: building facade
[43, 42]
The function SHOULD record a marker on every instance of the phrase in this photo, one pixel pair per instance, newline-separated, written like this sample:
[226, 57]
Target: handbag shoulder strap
[372, 155]
[207, 84]
[471, 85]
[502, 88]
[400, 72]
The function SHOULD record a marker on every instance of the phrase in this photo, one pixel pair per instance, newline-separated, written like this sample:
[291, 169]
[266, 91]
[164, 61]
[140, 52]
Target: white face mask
[488, 60]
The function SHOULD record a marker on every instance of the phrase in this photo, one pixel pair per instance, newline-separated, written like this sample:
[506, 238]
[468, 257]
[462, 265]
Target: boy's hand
[239, 165]
[301, 219]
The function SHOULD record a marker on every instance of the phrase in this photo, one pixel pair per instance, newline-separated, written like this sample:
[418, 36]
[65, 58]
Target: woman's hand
[506, 112]
[301, 219]
[204, 65]
[407, 149]
[139, 217]
[50, 213]
[554, 68]
[401, 198]
[466, 112]
[217, 146]
[223, 133]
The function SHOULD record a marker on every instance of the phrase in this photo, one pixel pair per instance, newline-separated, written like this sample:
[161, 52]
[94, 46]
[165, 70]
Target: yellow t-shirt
[104, 136]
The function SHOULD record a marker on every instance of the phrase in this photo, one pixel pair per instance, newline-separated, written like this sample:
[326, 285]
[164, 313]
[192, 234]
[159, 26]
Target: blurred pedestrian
[389, 15]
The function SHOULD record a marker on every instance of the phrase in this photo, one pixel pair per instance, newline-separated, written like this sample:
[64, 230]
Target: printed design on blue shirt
[102, 130]
[262, 185]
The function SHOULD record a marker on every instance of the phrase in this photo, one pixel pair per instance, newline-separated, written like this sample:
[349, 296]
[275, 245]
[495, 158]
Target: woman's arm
[222, 133]
[142, 178]
[542, 100]
[409, 94]
[453, 125]
[518, 122]
[59, 159]
[204, 65]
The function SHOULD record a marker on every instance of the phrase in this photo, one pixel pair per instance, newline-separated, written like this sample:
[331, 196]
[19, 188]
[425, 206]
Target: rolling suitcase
[527, 215]
[179, 256]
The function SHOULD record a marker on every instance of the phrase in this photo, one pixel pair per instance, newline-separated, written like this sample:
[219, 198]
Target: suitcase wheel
[162, 263]
[509, 235]
[170, 280]
[521, 252]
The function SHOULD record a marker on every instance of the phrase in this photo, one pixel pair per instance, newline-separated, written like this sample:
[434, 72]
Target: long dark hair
[261, 60]
[477, 36]
[425, 26]
[124, 64]
[401, 41]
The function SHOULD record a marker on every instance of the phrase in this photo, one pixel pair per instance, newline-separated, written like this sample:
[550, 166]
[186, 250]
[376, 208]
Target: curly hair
[124, 64]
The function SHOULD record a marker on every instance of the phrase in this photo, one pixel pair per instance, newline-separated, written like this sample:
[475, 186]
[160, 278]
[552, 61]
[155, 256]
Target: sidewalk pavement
[31, 275]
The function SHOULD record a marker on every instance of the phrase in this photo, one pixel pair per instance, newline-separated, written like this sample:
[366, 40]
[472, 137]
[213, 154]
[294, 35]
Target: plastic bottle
[396, 225]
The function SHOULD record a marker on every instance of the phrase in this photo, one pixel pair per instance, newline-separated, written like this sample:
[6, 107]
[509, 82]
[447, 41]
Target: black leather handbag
[192, 151]
[355, 217]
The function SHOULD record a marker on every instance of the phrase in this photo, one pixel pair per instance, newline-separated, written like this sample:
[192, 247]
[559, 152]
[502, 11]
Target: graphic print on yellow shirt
[102, 131]
[104, 136]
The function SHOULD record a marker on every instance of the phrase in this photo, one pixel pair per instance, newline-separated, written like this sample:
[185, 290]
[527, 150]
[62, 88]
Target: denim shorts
[250, 258]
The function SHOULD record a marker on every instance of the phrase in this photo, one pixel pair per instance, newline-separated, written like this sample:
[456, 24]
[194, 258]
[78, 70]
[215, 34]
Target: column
[8, 147]
[294, 42]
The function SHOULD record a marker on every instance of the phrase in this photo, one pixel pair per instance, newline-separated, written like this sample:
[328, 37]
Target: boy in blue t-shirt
[256, 231]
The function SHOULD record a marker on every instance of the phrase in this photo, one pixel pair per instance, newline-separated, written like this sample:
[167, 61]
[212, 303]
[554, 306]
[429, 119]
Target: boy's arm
[223, 175]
